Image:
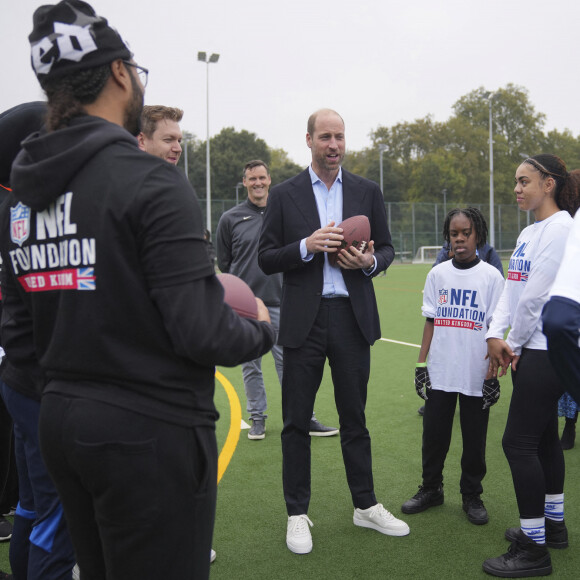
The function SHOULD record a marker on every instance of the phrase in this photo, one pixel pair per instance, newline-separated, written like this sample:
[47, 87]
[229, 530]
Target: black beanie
[15, 125]
[69, 36]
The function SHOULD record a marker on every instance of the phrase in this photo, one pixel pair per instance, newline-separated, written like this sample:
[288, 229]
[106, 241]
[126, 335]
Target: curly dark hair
[477, 222]
[67, 95]
[567, 193]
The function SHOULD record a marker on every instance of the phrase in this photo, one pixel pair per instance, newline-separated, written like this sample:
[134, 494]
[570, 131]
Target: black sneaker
[423, 499]
[556, 534]
[258, 430]
[5, 529]
[475, 510]
[524, 558]
[317, 429]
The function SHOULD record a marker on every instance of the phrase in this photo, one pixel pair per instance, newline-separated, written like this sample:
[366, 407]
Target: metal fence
[413, 225]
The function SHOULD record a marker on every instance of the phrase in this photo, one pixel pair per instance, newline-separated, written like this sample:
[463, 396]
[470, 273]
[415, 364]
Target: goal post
[426, 254]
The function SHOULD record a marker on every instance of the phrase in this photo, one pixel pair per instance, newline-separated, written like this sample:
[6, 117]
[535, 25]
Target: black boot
[523, 559]
[569, 433]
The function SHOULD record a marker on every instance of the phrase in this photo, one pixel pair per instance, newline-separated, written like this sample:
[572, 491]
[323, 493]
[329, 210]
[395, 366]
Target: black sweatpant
[437, 428]
[530, 440]
[138, 494]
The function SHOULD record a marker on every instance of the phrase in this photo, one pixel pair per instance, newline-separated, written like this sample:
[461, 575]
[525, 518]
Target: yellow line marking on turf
[235, 422]
[399, 342]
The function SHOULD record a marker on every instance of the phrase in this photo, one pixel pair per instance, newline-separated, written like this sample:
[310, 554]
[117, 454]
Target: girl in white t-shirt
[459, 298]
[531, 443]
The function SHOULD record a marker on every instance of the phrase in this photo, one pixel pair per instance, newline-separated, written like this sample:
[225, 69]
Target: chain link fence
[413, 225]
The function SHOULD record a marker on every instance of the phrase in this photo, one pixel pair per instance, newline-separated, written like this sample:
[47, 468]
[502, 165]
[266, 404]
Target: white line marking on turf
[399, 342]
[244, 425]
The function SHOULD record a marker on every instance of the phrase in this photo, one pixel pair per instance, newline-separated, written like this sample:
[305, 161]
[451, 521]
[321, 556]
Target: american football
[357, 233]
[239, 296]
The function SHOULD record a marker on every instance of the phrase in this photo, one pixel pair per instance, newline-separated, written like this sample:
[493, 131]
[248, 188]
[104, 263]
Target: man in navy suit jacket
[326, 312]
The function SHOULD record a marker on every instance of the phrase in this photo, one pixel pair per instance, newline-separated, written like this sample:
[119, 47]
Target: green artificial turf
[251, 518]
[250, 528]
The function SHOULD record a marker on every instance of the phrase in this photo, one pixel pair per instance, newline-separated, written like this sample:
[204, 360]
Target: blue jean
[40, 545]
[252, 374]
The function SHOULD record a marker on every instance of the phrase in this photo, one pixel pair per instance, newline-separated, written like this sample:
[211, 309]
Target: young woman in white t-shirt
[530, 441]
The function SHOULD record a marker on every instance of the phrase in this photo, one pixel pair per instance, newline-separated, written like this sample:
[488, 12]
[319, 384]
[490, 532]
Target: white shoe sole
[299, 549]
[324, 433]
[256, 437]
[399, 531]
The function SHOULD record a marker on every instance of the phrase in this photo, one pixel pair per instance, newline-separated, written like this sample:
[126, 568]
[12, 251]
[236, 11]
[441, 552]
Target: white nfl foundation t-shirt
[531, 273]
[461, 303]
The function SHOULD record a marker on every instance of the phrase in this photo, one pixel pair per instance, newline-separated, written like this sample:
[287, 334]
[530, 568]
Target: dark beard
[132, 121]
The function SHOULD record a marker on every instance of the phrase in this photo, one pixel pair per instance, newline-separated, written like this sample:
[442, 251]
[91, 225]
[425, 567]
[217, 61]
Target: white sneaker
[76, 573]
[298, 537]
[212, 556]
[381, 520]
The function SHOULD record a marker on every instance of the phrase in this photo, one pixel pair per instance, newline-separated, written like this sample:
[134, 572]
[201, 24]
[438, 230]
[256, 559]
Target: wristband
[421, 365]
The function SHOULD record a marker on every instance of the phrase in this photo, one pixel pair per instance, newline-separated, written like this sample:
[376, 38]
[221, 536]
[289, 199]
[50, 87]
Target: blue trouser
[40, 545]
[561, 319]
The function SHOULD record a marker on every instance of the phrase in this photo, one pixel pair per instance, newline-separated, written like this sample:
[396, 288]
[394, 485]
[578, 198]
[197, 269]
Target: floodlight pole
[489, 97]
[185, 157]
[238, 185]
[382, 149]
[202, 56]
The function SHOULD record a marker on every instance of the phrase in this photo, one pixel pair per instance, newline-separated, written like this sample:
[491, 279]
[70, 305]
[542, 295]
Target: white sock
[534, 528]
[554, 506]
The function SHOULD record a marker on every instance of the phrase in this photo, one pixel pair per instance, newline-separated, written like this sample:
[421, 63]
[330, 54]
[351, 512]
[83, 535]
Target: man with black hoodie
[106, 268]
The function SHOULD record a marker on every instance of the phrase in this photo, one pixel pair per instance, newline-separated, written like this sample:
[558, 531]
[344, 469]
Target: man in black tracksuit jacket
[106, 269]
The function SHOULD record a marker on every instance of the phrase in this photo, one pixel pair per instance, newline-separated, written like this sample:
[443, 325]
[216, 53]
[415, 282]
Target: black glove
[490, 393]
[422, 382]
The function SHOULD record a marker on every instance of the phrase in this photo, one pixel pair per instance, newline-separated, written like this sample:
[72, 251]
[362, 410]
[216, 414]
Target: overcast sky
[377, 62]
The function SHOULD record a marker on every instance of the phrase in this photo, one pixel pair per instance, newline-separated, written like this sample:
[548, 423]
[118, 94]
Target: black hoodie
[107, 268]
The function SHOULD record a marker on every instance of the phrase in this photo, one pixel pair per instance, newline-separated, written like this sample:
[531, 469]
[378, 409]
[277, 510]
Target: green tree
[230, 150]
[565, 145]
[424, 157]
[281, 167]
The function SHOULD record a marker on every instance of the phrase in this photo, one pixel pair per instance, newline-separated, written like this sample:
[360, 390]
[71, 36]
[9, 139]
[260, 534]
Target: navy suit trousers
[335, 335]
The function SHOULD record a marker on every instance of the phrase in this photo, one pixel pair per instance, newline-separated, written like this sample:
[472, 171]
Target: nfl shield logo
[443, 296]
[19, 223]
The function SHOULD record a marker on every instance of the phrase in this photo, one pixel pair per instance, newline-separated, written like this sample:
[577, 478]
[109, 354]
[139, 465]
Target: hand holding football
[356, 232]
